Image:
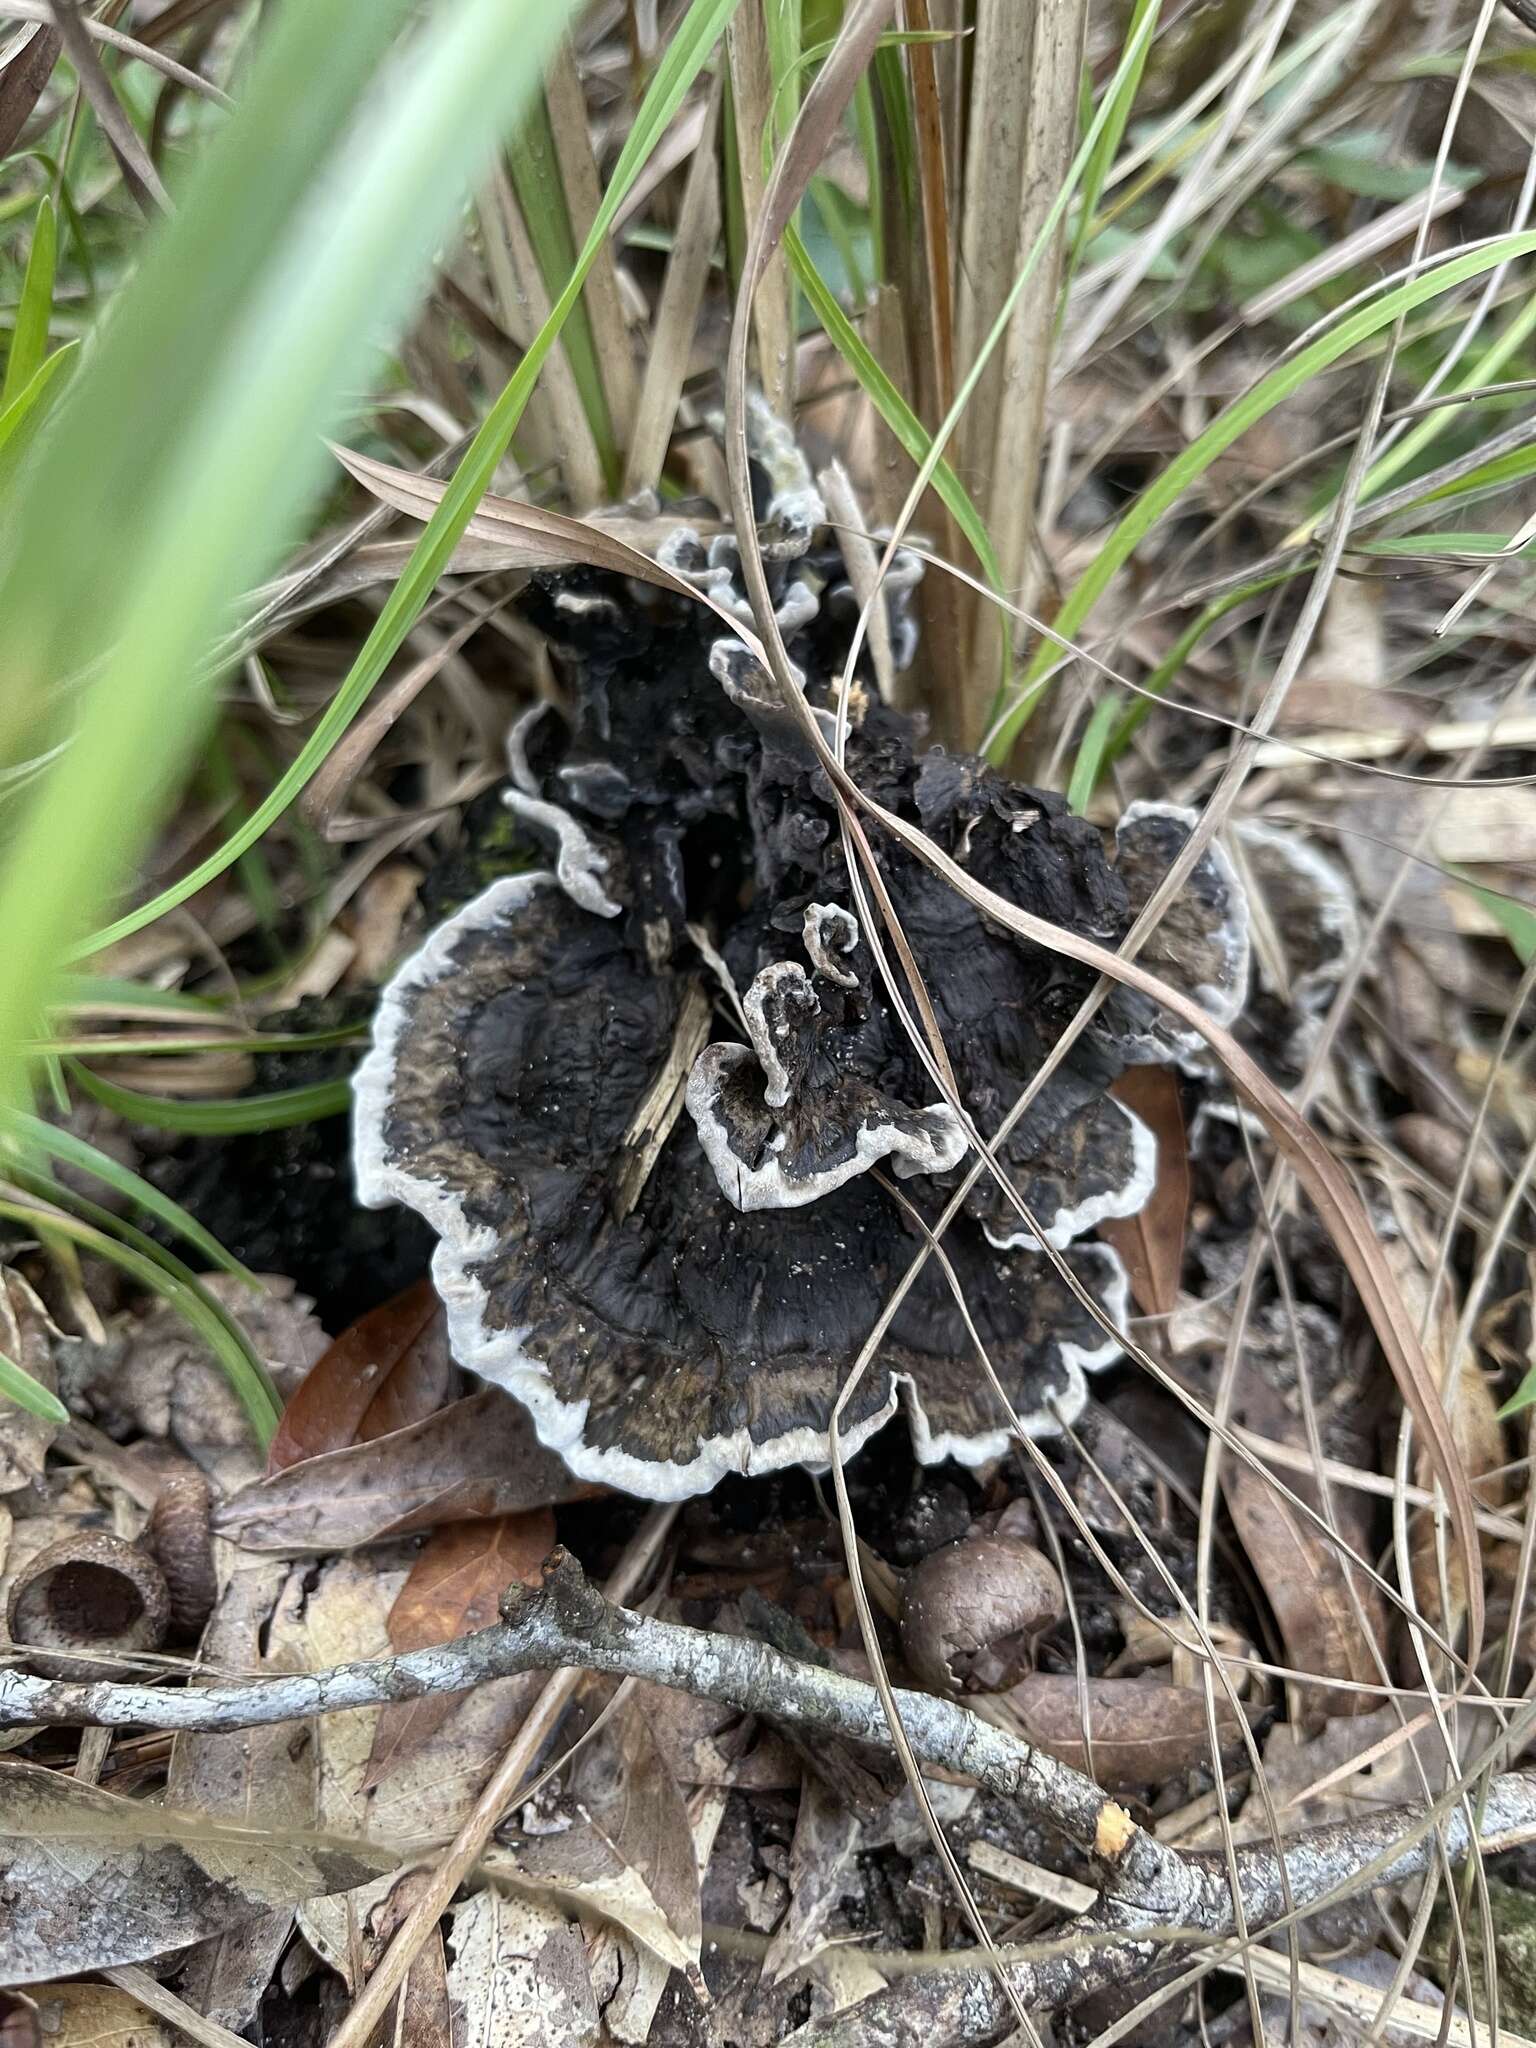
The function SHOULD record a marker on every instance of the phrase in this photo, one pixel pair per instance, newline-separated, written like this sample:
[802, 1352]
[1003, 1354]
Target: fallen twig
[1149, 1892]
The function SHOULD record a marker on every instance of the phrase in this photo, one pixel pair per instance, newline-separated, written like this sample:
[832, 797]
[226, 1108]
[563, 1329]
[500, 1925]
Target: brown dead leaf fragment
[387, 1370]
[1151, 1243]
[96, 2016]
[260, 1776]
[1144, 1732]
[27, 1339]
[88, 1879]
[453, 1589]
[518, 1976]
[827, 1838]
[627, 1854]
[1318, 1599]
[25, 69]
[1475, 1427]
[473, 1459]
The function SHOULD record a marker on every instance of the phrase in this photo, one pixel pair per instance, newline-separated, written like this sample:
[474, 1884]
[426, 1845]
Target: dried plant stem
[1023, 128]
[746, 43]
[1150, 1892]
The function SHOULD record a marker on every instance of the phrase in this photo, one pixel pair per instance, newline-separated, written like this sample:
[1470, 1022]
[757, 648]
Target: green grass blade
[685, 56]
[1113, 722]
[234, 1117]
[892, 407]
[34, 310]
[1123, 89]
[27, 411]
[86, 1158]
[535, 167]
[158, 1272]
[1515, 920]
[26, 1392]
[1244, 412]
[184, 461]
[1484, 368]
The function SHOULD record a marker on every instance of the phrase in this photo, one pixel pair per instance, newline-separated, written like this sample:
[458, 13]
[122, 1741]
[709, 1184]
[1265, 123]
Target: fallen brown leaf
[268, 1772]
[90, 1879]
[390, 1368]
[1301, 1571]
[1151, 1243]
[1475, 1428]
[519, 1976]
[96, 2016]
[1144, 1732]
[827, 1838]
[628, 1851]
[473, 1459]
[454, 1588]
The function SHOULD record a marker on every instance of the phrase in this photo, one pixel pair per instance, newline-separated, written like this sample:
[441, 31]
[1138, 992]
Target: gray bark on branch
[1149, 1891]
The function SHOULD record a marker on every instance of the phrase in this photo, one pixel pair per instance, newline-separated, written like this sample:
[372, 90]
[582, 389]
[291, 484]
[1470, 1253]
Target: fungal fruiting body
[660, 1098]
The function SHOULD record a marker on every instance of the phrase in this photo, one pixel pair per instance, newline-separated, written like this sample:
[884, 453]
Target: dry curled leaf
[153, 1376]
[518, 1976]
[826, 1840]
[390, 1368]
[454, 1588]
[89, 1879]
[1144, 1732]
[533, 537]
[475, 1458]
[25, 69]
[628, 1853]
[1472, 1412]
[96, 2016]
[230, 1776]
[27, 1339]
[1151, 1243]
[1318, 1599]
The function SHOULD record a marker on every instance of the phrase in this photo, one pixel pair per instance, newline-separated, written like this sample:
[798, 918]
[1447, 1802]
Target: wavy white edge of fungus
[579, 866]
[584, 604]
[750, 1188]
[727, 655]
[770, 981]
[932, 1446]
[827, 930]
[498, 1356]
[720, 581]
[796, 503]
[1069, 1224]
[1333, 901]
[1222, 1005]
[517, 747]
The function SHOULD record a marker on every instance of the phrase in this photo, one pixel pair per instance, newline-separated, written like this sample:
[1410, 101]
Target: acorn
[87, 1606]
[180, 1539]
[972, 1612]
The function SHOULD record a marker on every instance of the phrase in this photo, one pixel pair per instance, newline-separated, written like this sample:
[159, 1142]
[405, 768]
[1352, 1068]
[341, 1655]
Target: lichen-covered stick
[567, 1622]
[1148, 1888]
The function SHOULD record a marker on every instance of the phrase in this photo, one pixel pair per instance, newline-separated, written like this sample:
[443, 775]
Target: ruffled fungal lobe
[657, 1101]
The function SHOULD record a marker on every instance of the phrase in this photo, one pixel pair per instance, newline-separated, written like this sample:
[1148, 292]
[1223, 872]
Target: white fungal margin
[579, 867]
[828, 930]
[932, 1446]
[500, 1356]
[1187, 1048]
[935, 1149]
[1076, 1220]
